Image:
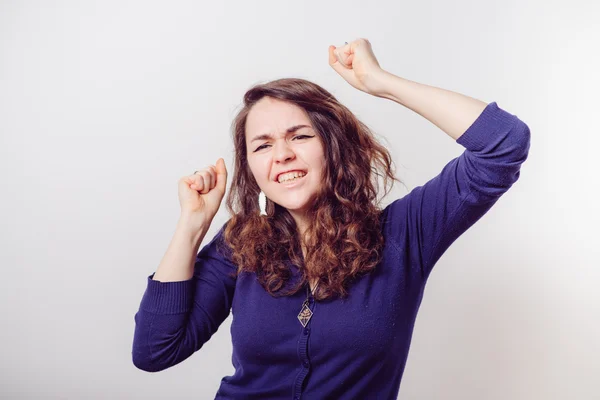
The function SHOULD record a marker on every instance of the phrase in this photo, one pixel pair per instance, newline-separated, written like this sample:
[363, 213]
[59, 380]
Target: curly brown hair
[343, 239]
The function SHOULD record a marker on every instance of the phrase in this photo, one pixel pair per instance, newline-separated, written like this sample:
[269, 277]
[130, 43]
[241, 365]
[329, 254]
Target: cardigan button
[306, 330]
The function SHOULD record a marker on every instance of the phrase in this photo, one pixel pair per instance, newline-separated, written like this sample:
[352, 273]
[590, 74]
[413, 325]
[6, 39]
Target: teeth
[290, 176]
[290, 180]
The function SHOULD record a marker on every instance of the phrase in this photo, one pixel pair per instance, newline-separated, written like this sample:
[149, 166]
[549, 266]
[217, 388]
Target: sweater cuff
[491, 120]
[168, 297]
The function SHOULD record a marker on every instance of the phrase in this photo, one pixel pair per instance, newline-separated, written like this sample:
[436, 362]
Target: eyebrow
[269, 136]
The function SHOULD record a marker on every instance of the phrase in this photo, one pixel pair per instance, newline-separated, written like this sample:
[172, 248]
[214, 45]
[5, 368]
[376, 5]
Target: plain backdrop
[104, 105]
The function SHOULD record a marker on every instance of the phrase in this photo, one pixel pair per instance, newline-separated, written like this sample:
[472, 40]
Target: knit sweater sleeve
[175, 319]
[431, 217]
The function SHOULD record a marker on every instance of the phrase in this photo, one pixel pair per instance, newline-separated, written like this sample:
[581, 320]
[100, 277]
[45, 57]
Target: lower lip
[293, 183]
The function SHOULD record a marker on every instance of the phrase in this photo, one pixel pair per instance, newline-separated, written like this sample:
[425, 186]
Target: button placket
[303, 351]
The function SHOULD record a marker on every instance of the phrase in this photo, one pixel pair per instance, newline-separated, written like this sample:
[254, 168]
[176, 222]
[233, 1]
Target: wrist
[189, 227]
[379, 83]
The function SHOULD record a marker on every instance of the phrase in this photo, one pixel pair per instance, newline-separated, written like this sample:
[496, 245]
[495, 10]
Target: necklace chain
[313, 290]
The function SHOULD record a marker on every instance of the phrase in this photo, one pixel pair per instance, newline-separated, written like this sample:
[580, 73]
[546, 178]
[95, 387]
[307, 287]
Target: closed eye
[295, 137]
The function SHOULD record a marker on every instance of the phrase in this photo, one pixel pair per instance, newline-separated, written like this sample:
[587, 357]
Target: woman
[324, 286]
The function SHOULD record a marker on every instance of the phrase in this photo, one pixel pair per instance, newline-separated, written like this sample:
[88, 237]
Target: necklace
[305, 313]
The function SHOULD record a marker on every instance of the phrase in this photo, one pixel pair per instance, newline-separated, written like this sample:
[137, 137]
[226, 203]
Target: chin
[294, 206]
[292, 201]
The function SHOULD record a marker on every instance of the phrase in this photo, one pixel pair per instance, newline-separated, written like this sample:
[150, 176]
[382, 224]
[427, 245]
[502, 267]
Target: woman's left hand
[357, 64]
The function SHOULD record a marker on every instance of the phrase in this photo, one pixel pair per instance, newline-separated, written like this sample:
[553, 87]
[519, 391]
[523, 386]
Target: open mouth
[292, 181]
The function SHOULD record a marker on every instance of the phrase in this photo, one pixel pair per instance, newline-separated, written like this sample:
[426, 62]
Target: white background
[105, 105]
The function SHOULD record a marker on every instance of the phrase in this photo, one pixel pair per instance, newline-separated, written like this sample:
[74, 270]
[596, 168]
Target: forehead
[273, 116]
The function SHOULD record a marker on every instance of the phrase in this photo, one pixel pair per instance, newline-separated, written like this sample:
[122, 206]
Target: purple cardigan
[354, 348]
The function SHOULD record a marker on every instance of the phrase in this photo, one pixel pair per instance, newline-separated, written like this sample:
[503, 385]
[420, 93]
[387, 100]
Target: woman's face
[300, 149]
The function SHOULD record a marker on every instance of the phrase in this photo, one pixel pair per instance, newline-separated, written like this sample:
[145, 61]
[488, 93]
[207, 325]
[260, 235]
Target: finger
[206, 177]
[198, 180]
[332, 57]
[342, 54]
[198, 183]
[207, 174]
[221, 170]
[193, 179]
[350, 59]
[345, 72]
[212, 176]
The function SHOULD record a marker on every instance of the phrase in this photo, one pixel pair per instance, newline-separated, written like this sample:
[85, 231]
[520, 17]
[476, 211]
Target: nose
[282, 152]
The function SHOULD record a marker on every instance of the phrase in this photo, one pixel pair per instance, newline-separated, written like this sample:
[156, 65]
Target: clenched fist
[200, 194]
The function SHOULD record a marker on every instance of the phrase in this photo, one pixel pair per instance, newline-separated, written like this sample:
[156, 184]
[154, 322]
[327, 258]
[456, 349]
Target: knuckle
[206, 179]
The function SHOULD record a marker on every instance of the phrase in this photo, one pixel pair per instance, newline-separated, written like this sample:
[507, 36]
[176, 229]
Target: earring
[262, 203]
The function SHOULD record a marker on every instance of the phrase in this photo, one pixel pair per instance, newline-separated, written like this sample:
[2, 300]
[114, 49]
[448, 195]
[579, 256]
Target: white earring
[262, 203]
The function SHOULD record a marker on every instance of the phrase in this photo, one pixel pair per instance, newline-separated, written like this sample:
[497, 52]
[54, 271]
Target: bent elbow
[524, 141]
[152, 361]
[146, 364]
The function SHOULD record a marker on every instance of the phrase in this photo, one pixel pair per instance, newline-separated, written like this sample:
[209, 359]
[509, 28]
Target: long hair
[343, 238]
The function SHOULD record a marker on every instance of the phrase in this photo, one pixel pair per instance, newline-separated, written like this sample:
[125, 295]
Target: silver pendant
[305, 314]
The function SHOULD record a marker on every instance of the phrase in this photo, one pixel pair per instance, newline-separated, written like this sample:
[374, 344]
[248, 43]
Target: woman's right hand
[200, 194]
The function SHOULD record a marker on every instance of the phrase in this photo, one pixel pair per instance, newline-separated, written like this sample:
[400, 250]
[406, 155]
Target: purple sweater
[354, 348]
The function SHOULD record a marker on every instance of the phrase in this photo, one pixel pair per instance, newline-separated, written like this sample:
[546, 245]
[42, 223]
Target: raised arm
[424, 223]
[176, 318]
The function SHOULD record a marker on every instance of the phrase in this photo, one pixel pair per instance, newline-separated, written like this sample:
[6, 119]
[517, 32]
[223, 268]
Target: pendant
[305, 314]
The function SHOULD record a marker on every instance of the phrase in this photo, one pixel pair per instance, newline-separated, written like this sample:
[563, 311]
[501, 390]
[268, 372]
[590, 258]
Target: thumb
[221, 175]
[345, 72]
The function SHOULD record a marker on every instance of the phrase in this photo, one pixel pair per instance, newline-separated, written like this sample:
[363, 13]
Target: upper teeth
[290, 175]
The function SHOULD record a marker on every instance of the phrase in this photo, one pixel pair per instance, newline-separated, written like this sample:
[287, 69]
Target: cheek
[320, 164]
[262, 172]
[257, 172]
